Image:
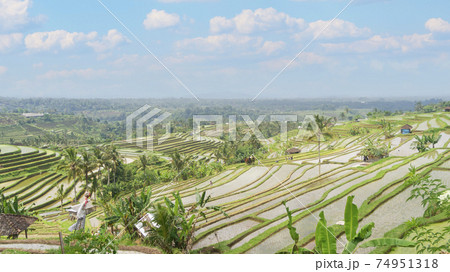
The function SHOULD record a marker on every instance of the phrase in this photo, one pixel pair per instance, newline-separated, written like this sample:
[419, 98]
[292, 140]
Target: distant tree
[418, 107]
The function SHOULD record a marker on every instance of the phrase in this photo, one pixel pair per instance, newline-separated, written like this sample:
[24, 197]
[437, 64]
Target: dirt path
[41, 246]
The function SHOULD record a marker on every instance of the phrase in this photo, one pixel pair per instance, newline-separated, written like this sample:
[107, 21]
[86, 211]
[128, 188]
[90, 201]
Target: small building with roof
[447, 109]
[293, 150]
[406, 129]
[11, 225]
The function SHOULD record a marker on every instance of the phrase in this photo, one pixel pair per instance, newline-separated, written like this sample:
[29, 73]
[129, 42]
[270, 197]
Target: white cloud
[108, 42]
[220, 42]
[270, 47]
[378, 43]
[88, 73]
[3, 69]
[249, 21]
[337, 29]
[10, 40]
[437, 25]
[160, 19]
[13, 13]
[59, 39]
[306, 58]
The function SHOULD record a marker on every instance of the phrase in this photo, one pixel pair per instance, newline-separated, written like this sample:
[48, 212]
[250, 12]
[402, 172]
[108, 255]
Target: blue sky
[224, 49]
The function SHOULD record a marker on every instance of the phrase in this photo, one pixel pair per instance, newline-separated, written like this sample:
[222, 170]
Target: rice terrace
[237, 192]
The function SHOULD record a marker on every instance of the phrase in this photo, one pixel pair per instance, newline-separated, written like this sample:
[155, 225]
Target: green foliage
[429, 240]
[358, 131]
[126, 211]
[12, 206]
[351, 219]
[326, 241]
[81, 242]
[373, 150]
[174, 225]
[432, 192]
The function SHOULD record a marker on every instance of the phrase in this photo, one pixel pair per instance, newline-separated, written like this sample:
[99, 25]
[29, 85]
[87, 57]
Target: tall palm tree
[98, 160]
[322, 123]
[113, 160]
[143, 162]
[86, 165]
[70, 164]
[60, 195]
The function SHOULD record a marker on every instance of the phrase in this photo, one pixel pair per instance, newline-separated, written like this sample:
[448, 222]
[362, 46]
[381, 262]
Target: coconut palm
[143, 163]
[87, 166]
[320, 127]
[70, 164]
[113, 160]
[60, 195]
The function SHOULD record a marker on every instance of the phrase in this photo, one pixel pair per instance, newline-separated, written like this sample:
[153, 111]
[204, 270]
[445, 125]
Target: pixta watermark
[146, 118]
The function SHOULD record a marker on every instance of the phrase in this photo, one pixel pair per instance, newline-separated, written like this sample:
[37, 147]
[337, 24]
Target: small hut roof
[13, 224]
[293, 150]
[407, 127]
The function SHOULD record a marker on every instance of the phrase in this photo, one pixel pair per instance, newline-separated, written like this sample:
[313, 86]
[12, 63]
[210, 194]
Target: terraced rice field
[184, 143]
[252, 196]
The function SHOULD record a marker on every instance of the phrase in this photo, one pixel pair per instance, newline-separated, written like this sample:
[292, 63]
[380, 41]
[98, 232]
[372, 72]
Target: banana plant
[174, 224]
[325, 238]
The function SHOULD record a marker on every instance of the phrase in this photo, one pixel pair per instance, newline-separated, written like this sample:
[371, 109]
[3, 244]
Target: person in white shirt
[81, 215]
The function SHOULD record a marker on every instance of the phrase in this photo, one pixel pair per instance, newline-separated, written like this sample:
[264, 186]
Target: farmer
[81, 214]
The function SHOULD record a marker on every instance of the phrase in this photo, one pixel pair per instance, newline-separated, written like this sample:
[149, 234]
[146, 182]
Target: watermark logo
[148, 117]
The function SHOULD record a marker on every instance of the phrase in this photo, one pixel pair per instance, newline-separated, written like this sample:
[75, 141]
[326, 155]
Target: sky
[253, 49]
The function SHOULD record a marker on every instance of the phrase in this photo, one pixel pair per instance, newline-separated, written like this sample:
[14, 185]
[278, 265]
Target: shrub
[81, 242]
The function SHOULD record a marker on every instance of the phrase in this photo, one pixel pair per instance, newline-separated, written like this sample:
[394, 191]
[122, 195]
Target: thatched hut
[293, 150]
[447, 109]
[12, 225]
[406, 129]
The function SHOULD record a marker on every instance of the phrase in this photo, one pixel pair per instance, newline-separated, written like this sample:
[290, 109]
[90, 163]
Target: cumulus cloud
[13, 13]
[270, 47]
[306, 58]
[220, 42]
[160, 19]
[378, 43]
[337, 29]
[3, 69]
[249, 21]
[58, 39]
[108, 42]
[437, 25]
[88, 73]
[10, 40]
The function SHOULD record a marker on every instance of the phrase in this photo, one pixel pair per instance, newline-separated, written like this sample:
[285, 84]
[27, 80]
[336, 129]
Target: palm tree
[60, 195]
[322, 123]
[70, 164]
[98, 160]
[113, 159]
[142, 164]
[86, 165]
